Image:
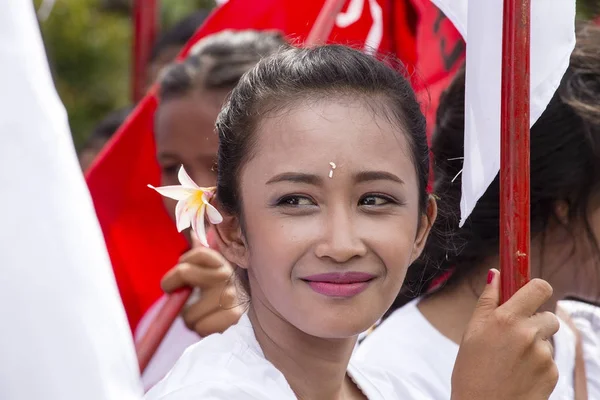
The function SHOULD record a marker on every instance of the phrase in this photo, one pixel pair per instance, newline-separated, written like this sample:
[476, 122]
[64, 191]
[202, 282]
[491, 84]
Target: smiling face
[327, 249]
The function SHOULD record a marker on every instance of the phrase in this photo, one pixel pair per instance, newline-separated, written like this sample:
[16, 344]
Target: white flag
[480, 24]
[64, 334]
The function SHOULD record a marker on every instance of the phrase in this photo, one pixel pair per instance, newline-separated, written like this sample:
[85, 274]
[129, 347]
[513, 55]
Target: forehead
[188, 118]
[351, 133]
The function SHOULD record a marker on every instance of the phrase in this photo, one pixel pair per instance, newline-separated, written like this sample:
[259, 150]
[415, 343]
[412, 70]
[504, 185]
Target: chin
[338, 322]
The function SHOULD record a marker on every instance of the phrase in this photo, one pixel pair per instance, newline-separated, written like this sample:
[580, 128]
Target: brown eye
[170, 170]
[295, 201]
[375, 200]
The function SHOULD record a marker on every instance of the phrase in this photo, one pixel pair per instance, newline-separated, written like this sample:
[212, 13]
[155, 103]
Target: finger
[218, 321]
[546, 324]
[544, 354]
[529, 298]
[195, 276]
[203, 256]
[490, 298]
[211, 301]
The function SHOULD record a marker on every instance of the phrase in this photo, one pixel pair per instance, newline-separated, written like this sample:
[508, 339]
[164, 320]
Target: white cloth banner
[480, 24]
[64, 333]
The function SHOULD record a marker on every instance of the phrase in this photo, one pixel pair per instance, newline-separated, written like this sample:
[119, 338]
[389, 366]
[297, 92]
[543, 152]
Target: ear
[230, 241]
[426, 222]
[561, 211]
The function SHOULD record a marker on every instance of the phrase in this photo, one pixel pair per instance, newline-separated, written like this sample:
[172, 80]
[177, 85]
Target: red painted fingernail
[490, 276]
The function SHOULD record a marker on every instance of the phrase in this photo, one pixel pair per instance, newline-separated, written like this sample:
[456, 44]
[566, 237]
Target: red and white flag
[480, 23]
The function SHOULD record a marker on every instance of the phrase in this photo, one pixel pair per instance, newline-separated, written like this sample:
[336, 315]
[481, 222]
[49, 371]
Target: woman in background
[422, 338]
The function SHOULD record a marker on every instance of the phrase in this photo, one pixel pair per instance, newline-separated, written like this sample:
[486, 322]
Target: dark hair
[565, 166]
[179, 34]
[107, 127]
[218, 62]
[316, 72]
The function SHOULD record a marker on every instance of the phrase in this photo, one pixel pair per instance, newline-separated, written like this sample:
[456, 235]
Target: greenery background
[89, 47]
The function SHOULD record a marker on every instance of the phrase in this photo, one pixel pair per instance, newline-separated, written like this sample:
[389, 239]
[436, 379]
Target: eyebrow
[315, 180]
[167, 155]
[367, 176]
[296, 177]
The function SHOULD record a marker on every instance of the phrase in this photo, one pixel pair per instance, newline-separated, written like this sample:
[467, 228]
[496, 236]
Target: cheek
[205, 176]
[392, 240]
[393, 236]
[277, 241]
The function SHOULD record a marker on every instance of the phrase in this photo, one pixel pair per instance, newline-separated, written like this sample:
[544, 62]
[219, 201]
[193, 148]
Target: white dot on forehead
[333, 166]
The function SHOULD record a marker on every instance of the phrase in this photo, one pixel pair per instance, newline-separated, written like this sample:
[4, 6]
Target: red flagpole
[514, 148]
[324, 23]
[148, 344]
[145, 21]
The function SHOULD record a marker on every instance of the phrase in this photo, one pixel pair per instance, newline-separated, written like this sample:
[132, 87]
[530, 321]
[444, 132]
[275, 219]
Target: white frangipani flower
[193, 203]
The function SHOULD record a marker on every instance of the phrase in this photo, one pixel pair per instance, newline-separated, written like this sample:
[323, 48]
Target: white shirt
[232, 366]
[587, 320]
[407, 345]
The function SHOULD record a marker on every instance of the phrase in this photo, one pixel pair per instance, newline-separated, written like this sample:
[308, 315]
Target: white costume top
[407, 345]
[232, 366]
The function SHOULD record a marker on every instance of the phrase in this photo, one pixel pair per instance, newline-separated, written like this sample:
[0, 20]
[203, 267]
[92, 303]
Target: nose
[341, 240]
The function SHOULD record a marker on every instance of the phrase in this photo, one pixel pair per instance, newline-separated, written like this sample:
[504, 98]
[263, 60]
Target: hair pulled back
[217, 62]
[313, 73]
[565, 166]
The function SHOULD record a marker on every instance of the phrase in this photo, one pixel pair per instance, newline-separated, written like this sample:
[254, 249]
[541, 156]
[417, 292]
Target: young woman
[322, 175]
[565, 222]
[191, 94]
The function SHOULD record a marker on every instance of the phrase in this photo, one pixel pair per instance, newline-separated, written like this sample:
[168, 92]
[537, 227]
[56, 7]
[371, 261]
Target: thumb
[490, 298]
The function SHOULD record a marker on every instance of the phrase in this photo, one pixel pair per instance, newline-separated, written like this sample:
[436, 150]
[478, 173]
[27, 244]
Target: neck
[450, 309]
[315, 368]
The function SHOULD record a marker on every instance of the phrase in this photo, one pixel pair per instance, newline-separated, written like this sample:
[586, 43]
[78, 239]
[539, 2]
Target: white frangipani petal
[213, 214]
[182, 215]
[185, 179]
[174, 192]
[193, 204]
[198, 225]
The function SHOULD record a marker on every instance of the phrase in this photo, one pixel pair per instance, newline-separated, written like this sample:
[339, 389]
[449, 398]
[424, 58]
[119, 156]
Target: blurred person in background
[101, 134]
[166, 48]
[170, 43]
[191, 94]
[422, 337]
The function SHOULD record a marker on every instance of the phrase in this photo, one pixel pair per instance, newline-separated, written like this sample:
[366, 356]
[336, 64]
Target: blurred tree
[174, 10]
[588, 8]
[89, 48]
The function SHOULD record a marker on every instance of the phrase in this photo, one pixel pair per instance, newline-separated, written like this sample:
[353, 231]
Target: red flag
[141, 239]
[440, 53]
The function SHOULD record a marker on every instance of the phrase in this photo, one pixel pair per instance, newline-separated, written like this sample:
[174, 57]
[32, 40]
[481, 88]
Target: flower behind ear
[193, 202]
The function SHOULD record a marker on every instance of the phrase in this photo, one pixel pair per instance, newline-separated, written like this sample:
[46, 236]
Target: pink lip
[339, 284]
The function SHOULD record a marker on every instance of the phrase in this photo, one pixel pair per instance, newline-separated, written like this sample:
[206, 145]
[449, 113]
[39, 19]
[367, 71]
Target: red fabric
[141, 239]
[440, 52]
